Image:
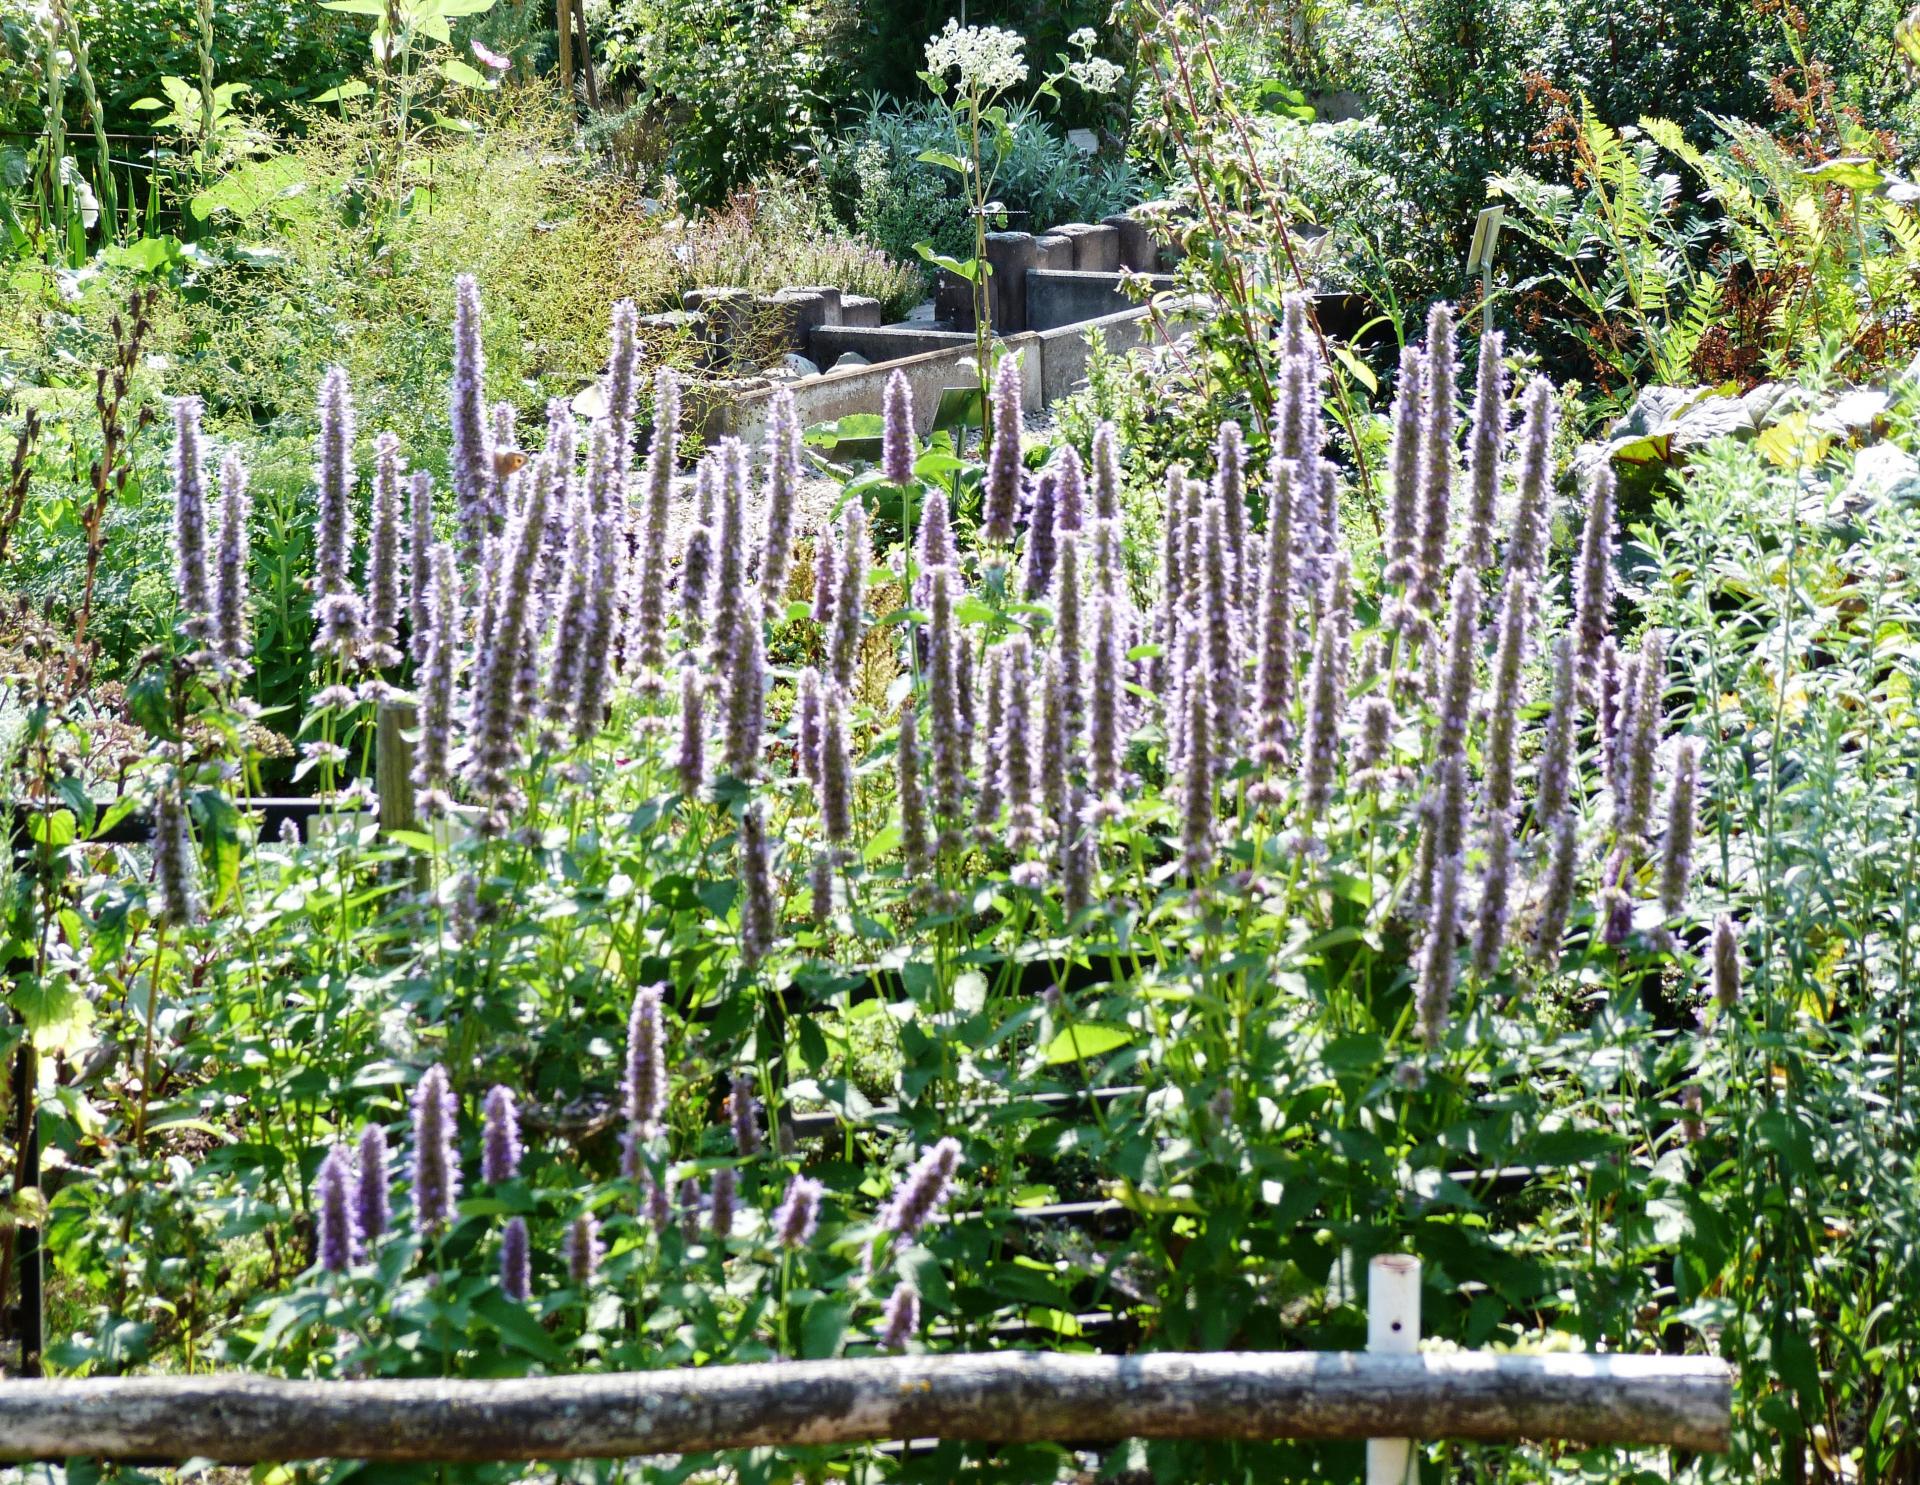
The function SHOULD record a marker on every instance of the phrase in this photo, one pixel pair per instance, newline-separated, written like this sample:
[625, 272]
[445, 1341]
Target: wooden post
[586, 54]
[1006, 1396]
[1393, 1329]
[563, 20]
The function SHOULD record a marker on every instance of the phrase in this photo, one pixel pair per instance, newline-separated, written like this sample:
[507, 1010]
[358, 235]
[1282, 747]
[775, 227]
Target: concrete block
[1011, 255]
[952, 300]
[1055, 299]
[1053, 251]
[830, 301]
[859, 310]
[1096, 248]
[1138, 250]
[884, 342]
[778, 323]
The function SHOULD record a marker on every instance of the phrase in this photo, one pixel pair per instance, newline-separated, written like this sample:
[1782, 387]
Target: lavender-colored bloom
[836, 766]
[1484, 444]
[471, 461]
[1001, 499]
[1436, 465]
[623, 387]
[826, 576]
[516, 1261]
[648, 643]
[746, 683]
[644, 1087]
[783, 484]
[1526, 548]
[1067, 642]
[1069, 490]
[1106, 473]
[658, 1203]
[436, 656]
[1726, 963]
[175, 862]
[1433, 997]
[820, 875]
[1056, 729]
[992, 794]
[896, 433]
[1173, 574]
[504, 471]
[900, 1320]
[1326, 697]
[1104, 741]
[435, 1173]
[339, 1241]
[916, 848]
[1403, 468]
[1230, 489]
[1274, 664]
[371, 1189]
[696, 568]
[1222, 628]
[1557, 900]
[1197, 821]
[1077, 856]
[233, 636]
[936, 542]
[743, 1113]
[1676, 859]
[337, 608]
[850, 603]
[721, 1207]
[576, 601]
[807, 724]
[730, 600]
[1025, 824]
[1593, 579]
[693, 1204]
[498, 700]
[923, 1190]
[690, 763]
[1037, 570]
[594, 669]
[1373, 749]
[1618, 719]
[419, 543]
[190, 520]
[1643, 738]
[756, 888]
[1556, 752]
[383, 554]
[948, 740]
[500, 1138]
[798, 1213]
[582, 1249]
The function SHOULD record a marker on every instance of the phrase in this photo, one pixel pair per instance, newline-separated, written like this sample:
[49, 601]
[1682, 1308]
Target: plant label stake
[1393, 1329]
[1480, 255]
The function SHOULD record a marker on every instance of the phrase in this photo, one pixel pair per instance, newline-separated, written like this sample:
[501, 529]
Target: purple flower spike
[799, 1213]
[472, 454]
[900, 1321]
[922, 1191]
[500, 1144]
[339, 1242]
[783, 484]
[720, 1209]
[743, 1111]
[516, 1261]
[190, 519]
[1001, 501]
[645, 1084]
[230, 579]
[370, 1197]
[436, 1160]
[896, 440]
[582, 1249]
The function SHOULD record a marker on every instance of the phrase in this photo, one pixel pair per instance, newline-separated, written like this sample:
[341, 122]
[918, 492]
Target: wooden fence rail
[1009, 1397]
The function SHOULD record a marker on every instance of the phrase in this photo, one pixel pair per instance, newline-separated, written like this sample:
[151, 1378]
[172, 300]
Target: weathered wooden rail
[1008, 1397]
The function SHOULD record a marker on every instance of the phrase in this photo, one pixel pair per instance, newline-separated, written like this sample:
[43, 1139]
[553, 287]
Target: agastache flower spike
[370, 1195]
[692, 1202]
[1403, 468]
[1024, 821]
[648, 646]
[836, 766]
[992, 793]
[1221, 615]
[1037, 570]
[500, 1138]
[807, 723]
[1557, 901]
[230, 582]
[1433, 997]
[495, 746]
[1055, 731]
[799, 1213]
[383, 555]
[175, 864]
[190, 520]
[896, 435]
[936, 543]
[337, 608]
[820, 876]
[623, 380]
[730, 605]
[720, 1208]
[1524, 542]
[1483, 451]
[339, 1243]
[1106, 473]
[1556, 752]
[1726, 963]
[471, 459]
[1069, 490]
[1197, 827]
[1593, 580]
[1230, 489]
[922, 1191]
[1643, 740]
[1326, 697]
[436, 1162]
[849, 604]
[783, 484]
[582, 1249]
[419, 543]
[746, 691]
[436, 654]
[644, 1086]
[1676, 860]
[595, 665]
[743, 1112]
[949, 742]
[1503, 722]
[690, 764]
[900, 1320]
[826, 576]
[1275, 660]
[1436, 466]
[1066, 630]
[756, 888]
[916, 849]
[696, 567]
[1001, 500]
[516, 1261]
[1104, 700]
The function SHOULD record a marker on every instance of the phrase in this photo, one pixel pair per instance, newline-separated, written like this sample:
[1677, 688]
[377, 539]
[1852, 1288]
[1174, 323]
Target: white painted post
[1393, 1329]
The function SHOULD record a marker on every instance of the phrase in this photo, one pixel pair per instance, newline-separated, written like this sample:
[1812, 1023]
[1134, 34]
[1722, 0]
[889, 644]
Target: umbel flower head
[987, 58]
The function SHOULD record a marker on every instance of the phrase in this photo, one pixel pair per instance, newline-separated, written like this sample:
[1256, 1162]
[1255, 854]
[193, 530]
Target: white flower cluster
[1095, 74]
[987, 57]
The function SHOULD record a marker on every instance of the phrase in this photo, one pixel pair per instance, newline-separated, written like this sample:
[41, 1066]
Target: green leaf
[352, 88]
[969, 270]
[823, 1328]
[456, 71]
[1086, 1039]
[945, 161]
[1358, 369]
[59, 1017]
[517, 1326]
